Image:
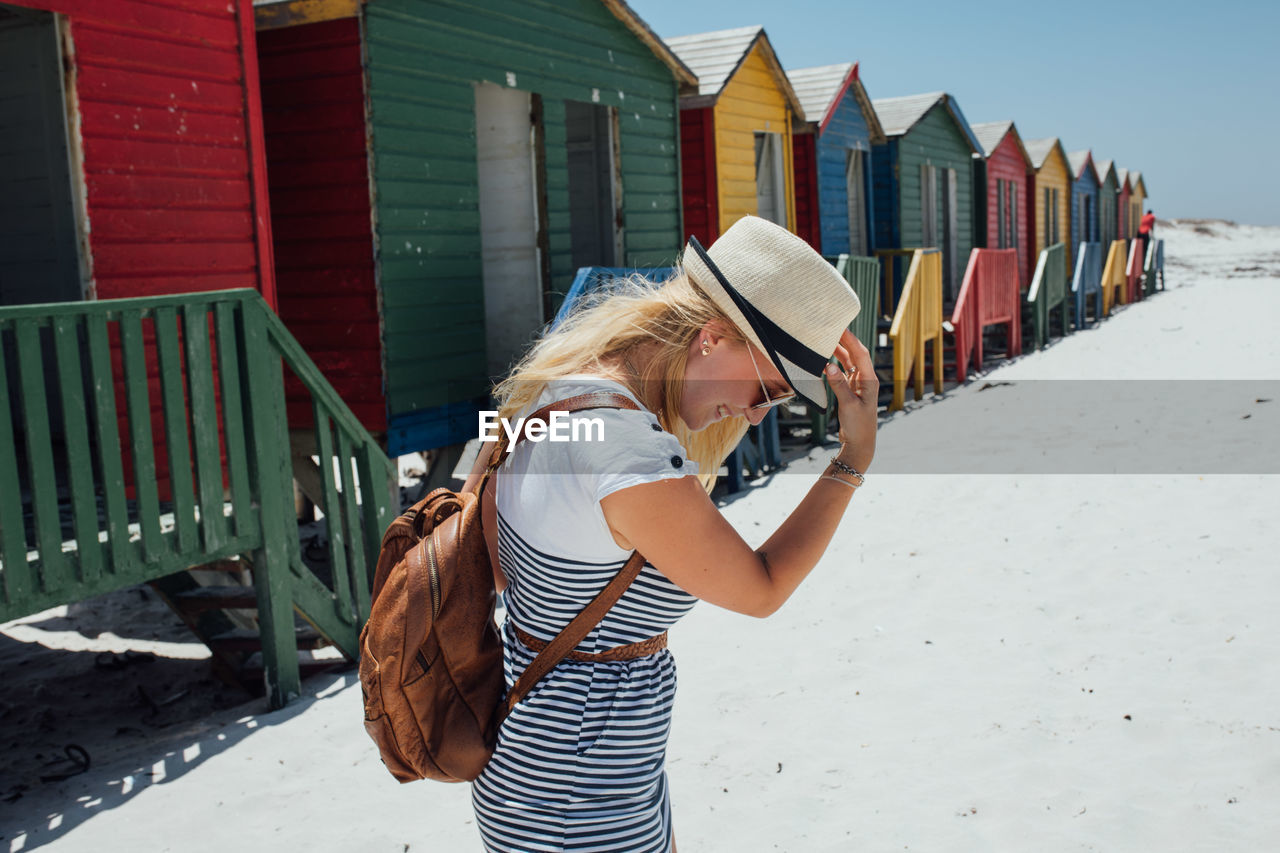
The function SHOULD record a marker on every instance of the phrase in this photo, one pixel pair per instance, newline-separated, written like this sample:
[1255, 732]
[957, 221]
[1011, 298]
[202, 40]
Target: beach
[1001, 650]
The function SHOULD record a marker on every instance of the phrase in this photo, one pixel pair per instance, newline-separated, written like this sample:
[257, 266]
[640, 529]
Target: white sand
[981, 662]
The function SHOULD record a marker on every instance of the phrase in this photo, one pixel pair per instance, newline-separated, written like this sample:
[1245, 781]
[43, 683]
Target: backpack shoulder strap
[573, 633]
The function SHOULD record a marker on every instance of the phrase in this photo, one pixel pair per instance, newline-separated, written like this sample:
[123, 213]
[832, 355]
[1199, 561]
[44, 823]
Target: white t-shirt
[558, 486]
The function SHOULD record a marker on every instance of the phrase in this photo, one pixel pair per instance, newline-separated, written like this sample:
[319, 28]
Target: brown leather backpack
[430, 654]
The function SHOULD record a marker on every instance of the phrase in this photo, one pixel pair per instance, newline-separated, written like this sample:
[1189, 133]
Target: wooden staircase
[149, 443]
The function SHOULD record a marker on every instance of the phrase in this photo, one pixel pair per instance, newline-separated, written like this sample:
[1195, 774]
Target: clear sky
[1188, 93]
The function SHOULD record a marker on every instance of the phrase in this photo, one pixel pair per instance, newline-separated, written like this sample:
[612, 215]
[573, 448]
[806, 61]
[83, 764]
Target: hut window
[1000, 214]
[39, 259]
[857, 203]
[771, 194]
[1013, 215]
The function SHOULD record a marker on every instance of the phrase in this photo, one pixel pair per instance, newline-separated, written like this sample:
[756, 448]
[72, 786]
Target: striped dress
[579, 764]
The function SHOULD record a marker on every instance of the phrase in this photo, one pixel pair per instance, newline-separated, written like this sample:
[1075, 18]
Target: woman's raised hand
[857, 392]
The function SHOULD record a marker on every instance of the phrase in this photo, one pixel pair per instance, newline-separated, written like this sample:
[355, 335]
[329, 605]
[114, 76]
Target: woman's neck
[632, 367]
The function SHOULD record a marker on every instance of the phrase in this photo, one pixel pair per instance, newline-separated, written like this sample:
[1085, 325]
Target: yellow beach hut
[736, 132]
[1052, 194]
[1137, 199]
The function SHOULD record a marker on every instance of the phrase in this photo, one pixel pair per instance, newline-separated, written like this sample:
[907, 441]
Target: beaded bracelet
[850, 470]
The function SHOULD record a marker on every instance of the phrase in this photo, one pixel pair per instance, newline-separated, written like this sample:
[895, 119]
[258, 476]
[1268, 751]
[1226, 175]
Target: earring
[706, 347]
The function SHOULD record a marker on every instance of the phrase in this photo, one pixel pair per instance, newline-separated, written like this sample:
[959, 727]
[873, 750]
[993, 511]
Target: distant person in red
[1146, 229]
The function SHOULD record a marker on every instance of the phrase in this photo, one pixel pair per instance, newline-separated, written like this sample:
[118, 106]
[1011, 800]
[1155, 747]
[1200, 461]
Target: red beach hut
[1002, 193]
[136, 132]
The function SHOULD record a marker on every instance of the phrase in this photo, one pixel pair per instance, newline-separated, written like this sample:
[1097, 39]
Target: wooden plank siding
[935, 140]
[846, 130]
[313, 112]
[164, 130]
[750, 102]
[167, 158]
[1124, 220]
[1053, 175]
[887, 222]
[1008, 166]
[1108, 226]
[700, 197]
[424, 58]
[1084, 186]
[808, 221]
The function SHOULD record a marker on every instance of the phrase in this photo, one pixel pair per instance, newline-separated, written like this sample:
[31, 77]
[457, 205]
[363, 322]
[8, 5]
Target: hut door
[855, 189]
[928, 207]
[510, 260]
[39, 261]
[771, 198]
[950, 250]
[595, 222]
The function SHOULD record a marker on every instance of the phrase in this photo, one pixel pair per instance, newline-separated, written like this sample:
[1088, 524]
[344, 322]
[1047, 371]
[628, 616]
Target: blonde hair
[611, 322]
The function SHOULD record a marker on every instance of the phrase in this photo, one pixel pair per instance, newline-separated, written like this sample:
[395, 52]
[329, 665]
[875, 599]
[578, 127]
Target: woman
[579, 763]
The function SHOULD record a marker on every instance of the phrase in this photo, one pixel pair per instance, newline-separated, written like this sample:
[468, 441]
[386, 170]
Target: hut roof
[624, 13]
[1135, 178]
[821, 89]
[1039, 150]
[1105, 168]
[991, 133]
[1080, 160]
[1122, 177]
[715, 57]
[899, 115]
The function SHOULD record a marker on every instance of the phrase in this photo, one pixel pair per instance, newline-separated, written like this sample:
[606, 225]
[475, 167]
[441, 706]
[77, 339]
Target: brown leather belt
[631, 651]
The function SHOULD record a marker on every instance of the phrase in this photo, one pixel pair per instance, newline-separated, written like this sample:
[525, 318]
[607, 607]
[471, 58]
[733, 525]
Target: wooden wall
[1006, 164]
[424, 59]
[805, 158]
[172, 169]
[1053, 174]
[847, 129]
[313, 113]
[751, 101]
[700, 192]
[1083, 186]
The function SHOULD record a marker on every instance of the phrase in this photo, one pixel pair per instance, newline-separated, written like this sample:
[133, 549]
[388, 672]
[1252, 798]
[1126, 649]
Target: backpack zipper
[433, 573]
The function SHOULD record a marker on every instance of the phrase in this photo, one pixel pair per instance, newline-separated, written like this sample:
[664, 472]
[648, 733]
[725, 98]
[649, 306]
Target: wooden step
[242, 640]
[216, 598]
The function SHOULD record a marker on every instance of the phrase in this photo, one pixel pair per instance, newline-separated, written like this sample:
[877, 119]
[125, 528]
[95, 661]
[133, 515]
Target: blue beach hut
[1084, 200]
[833, 160]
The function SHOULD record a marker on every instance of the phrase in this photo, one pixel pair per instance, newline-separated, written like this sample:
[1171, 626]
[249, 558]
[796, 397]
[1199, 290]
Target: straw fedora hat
[781, 294]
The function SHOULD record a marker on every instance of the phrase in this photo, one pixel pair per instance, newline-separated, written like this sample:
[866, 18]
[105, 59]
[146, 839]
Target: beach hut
[1108, 192]
[833, 159]
[1052, 193]
[440, 172]
[1002, 180]
[735, 132]
[1137, 200]
[923, 181]
[133, 156]
[1124, 191]
[1084, 199]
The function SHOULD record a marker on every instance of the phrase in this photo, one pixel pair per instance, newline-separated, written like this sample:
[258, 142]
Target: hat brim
[799, 365]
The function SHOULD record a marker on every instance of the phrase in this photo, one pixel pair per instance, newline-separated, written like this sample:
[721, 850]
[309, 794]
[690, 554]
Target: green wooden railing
[157, 426]
[1049, 291]
[863, 275]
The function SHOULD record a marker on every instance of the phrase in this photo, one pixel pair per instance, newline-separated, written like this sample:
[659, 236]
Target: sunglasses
[769, 402]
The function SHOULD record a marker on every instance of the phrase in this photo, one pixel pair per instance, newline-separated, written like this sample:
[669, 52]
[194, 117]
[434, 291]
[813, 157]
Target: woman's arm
[678, 529]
